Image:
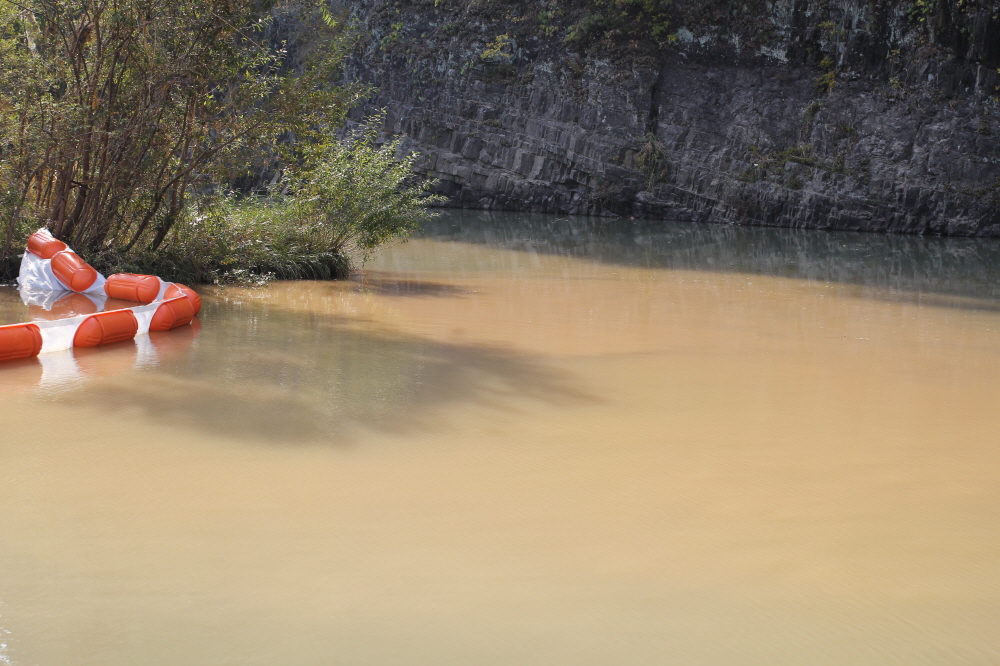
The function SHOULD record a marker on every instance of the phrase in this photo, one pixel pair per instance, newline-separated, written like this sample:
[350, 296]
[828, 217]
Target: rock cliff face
[851, 116]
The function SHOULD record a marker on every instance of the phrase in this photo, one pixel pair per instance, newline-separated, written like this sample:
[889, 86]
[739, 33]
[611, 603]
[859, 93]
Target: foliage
[393, 36]
[227, 240]
[112, 112]
[919, 10]
[545, 18]
[497, 49]
[349, 197]
[356, 194]
[825, 83]
[590, 27]
[622, 20]
[652, 160]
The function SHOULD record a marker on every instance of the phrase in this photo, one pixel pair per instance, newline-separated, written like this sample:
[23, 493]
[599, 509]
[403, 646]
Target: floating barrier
[20, 341]
[129, 287]
[73, 305]
[105, 328]
[72, 369]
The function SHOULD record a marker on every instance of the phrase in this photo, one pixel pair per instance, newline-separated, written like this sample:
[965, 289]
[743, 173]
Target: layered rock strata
[888, 131]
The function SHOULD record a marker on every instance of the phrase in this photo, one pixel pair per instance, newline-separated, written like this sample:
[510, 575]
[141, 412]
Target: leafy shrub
[588, 29]
[827, 82]
[496, 50]
[225, 240]
[352, 196]
[622, 20]
[357, 195]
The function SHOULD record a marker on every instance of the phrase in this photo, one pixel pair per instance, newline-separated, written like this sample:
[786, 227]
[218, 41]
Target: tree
[113, 111]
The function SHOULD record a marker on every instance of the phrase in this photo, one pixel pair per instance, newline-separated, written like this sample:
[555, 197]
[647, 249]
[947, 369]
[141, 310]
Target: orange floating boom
[19, 341]
[106, 327]
[132, 287]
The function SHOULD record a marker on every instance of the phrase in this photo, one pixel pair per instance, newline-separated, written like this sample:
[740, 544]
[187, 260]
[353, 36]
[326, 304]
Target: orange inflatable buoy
[131, 287]
[106, 327]
[175, 290]
[73, 271]
[19, 341]
[45, 246]
[171, 314]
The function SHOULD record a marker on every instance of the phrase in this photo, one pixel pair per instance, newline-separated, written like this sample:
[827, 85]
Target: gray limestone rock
[705, 130]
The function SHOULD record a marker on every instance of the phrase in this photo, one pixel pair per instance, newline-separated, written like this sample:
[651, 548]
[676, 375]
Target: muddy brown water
[525, 440]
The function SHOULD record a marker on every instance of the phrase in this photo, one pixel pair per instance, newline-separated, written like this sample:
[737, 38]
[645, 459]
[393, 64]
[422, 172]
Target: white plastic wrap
[144, 315]
[36, 275]
[48, 299]
[58, 335]
[163, 289]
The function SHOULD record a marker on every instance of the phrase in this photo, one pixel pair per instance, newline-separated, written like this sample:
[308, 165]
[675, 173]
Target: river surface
[526, 440]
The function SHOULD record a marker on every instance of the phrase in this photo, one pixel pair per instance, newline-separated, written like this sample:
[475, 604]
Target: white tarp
[46, 299]
[36, 274]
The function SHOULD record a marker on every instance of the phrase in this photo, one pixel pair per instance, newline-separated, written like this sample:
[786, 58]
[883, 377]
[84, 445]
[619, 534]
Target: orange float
[45, 246]
[73, 271]
[173, 313]
[132, 287]
[106, 327]
[175, 290]
[19, 341]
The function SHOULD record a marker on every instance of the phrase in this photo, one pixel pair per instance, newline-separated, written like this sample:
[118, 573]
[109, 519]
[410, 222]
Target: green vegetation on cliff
[632, 32]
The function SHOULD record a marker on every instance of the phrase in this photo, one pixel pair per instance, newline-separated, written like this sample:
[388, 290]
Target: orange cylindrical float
[44, 246]
[106, 327]
[20, 341]
[131, 287]
[171, 314]
[73, 271]
[175, 290]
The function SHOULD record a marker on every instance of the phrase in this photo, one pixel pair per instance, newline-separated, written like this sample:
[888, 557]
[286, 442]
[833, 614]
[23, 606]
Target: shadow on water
[260, 373]
[965, 267]
[374, 282]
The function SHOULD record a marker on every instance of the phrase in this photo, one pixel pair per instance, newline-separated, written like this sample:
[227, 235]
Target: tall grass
[228, 241]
